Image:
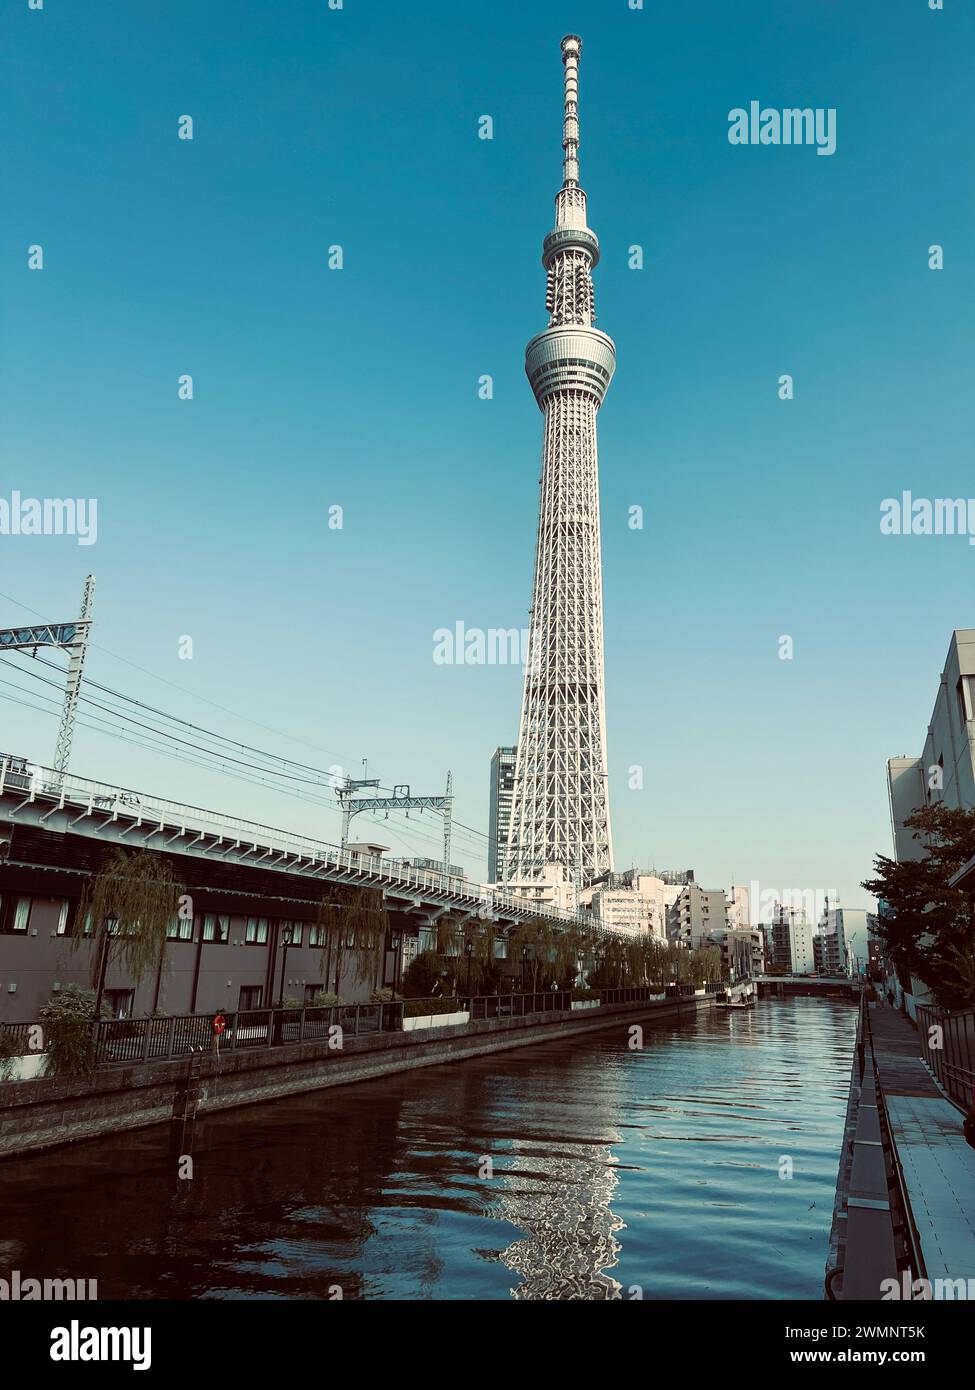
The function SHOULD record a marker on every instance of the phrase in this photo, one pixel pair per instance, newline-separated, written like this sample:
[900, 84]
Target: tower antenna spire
[571, 53]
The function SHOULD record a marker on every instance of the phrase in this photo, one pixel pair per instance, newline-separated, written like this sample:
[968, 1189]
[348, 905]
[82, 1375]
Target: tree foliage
[541, 953]
[354, 922]
[928, 928]
[67, 1023]
[139, 892]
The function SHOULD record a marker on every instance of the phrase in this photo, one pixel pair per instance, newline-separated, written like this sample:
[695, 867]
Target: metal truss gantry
[560, 803]
[401, 800]
[72, 638]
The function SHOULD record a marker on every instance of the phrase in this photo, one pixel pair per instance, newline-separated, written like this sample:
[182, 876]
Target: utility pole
[350, 805]
[72, 691]
[447, 804]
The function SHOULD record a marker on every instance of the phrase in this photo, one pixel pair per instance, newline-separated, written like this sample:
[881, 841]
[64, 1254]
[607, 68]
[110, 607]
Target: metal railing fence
[516, 1005]
[948, 1047]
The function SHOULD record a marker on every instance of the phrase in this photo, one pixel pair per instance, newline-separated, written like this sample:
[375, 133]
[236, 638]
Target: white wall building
[549, 887]
[792, 940]
[632, 902]
[696, 913]
[739, 907]
[742, 951]
[945, 771]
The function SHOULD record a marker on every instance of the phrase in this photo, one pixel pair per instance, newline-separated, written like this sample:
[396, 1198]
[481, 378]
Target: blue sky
[359, 388]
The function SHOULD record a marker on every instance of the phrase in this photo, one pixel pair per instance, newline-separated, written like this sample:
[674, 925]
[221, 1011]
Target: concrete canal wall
[46, 1112]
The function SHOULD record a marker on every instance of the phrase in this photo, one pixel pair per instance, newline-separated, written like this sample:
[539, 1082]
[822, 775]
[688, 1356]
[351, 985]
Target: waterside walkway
[938, 1165]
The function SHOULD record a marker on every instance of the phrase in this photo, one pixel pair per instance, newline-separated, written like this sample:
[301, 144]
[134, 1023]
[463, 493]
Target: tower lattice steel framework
[560, 807]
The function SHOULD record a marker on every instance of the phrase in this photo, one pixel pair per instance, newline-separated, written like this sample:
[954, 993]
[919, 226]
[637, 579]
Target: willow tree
[477, 940]
[128, 907]
[354, 922]
[705, 965]
[553, 951]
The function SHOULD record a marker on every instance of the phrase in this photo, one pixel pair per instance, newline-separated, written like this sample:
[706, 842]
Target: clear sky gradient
[358, 388]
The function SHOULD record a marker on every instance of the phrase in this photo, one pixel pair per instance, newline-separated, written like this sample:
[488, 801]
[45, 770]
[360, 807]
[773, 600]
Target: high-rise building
[845, 934]
[945, 771]
[943, 774]
[499, 811]
[560, 810]
[792, 940]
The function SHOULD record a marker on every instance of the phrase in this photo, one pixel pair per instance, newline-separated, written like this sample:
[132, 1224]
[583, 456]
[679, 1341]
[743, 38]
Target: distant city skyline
[358, 388]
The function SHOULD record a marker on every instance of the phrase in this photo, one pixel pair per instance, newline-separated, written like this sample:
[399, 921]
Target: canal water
[700, 1166]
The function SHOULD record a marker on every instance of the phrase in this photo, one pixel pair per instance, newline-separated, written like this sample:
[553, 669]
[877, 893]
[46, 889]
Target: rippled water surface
[612, 1169]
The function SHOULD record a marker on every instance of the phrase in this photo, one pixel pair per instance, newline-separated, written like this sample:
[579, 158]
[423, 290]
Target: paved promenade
[939, 1167]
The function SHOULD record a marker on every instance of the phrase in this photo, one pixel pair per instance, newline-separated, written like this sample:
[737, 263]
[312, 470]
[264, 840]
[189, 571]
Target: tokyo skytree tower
[560, 801]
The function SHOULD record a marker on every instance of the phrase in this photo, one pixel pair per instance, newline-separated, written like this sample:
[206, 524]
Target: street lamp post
[396, 946]
[111, 925]
[287, 935]
[524, 966]
[469, 950]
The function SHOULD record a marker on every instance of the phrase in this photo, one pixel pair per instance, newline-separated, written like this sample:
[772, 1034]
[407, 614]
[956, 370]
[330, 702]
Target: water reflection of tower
[557, 1185]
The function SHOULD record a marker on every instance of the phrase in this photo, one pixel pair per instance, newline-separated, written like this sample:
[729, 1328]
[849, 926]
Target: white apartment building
[845, 933]
[742, 951]
[695, 914]
[792, 940]
[945, 771]
[632, 902]
[550, 888]
[739, 907]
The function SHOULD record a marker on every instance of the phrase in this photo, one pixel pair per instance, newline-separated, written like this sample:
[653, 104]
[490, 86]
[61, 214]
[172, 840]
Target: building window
[311, 991]
[63, 912]
[250, 996]
[15, 914]
[966, 698]
[318, 935]
[256, 933]
[296, 931]
[180, 929]
[216, 927]
[120, 1002]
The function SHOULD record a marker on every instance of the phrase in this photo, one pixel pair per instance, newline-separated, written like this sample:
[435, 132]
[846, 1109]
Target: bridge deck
[938, 1165]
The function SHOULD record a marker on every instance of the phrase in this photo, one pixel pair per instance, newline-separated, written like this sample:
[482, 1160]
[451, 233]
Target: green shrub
[422, 974]
[325, 999]
[67, 1018]
[382, 996]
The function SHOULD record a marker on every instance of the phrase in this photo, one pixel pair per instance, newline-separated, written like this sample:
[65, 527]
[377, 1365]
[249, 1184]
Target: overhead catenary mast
[560, 802]
[72, 638]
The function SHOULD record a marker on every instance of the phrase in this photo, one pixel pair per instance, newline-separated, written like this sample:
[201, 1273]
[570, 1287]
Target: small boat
[745, 1000]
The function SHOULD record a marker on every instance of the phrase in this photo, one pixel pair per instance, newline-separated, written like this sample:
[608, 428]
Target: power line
[209, 733]
[184, 691]
[122, 736]
[278, 759]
